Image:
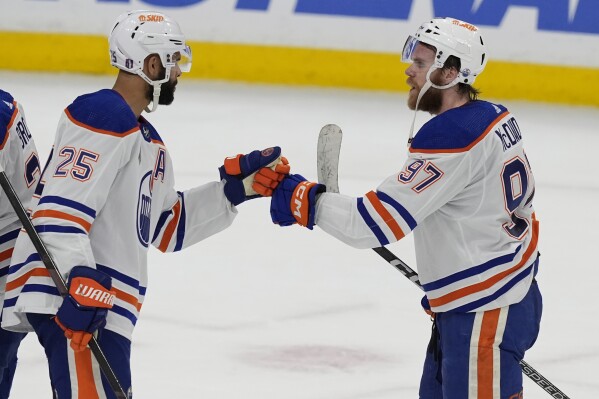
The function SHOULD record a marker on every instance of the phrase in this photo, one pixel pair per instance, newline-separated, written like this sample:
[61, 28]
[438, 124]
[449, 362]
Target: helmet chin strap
[423, 90]
[156, 95]
[157, 85]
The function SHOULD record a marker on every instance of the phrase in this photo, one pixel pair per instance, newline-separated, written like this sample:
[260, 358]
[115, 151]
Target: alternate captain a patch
[159, 167]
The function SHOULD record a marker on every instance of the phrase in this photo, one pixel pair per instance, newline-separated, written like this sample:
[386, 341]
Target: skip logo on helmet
[151, 18]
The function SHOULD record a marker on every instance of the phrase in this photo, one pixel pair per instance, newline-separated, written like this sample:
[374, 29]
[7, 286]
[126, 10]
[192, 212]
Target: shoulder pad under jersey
[104, 111]
[7, 110]
[457, 129]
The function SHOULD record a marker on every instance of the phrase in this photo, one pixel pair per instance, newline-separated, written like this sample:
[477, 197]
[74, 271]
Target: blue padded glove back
[86, 306]
[235, 169]
[294, 201]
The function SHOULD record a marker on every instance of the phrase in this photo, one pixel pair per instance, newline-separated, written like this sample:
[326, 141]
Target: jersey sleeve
[196, 214]
[399, 204]
[190, 216]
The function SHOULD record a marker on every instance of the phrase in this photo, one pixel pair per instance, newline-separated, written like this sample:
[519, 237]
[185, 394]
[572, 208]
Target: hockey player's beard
[430, 102]
[167, 91]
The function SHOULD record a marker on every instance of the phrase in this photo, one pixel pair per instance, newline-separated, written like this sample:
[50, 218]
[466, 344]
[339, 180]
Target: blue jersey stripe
[125, 313]
[181, 226]
[472, 271]
[10, 302]
[53, 199]
[51, 228]
[11, 235]
[47, 289]
[161, 222]
[505, 288]
[4, 271]
[123, 278]
[371, 223]
[399, 208]
[31, 258]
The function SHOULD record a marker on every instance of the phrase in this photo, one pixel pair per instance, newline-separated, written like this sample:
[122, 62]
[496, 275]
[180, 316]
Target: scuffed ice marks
[314, 358]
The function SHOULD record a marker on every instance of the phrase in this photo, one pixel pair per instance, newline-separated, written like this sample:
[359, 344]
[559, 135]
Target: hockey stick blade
[329, 149]
[56, 277]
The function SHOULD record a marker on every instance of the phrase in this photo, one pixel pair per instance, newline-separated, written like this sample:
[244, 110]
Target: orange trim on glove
[78, 339]
[300, 203]
[232, 165]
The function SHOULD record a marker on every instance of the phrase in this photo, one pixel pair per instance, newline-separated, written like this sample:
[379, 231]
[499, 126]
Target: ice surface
[268, 313]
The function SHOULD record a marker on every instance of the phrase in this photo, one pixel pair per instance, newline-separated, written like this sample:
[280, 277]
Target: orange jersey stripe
[170, 229]
[85, 375]
[389, 220]
[6, 254]
[102, 131]
[123, 296]
[19, 282]
[464, 149]
[62, 215]
[462, 292]
[486, 344]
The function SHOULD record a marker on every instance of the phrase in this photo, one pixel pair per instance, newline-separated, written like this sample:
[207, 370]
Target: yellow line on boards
[51, 52]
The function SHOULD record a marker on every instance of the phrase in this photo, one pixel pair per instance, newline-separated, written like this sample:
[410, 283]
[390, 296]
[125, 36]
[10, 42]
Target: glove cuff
[303, 202]
[234, 190]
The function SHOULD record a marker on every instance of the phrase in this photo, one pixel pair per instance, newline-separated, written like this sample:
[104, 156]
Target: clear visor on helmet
[408, 49]
[185, 60]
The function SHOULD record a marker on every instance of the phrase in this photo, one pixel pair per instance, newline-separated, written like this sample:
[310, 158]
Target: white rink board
[556, 32]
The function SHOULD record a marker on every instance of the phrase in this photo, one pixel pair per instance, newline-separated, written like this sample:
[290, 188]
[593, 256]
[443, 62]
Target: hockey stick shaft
[329, 148]
[56, 277]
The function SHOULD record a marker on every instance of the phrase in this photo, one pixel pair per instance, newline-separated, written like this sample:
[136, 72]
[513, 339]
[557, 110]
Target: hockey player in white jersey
[20, 161]
[466, 191]
[108, 193]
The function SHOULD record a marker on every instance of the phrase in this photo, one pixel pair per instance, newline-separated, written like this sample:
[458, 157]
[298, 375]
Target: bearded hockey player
[108, 194]
[466, 191]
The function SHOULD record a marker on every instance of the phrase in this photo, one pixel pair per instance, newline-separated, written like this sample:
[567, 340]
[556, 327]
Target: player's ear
[153, 66]
[448, 75]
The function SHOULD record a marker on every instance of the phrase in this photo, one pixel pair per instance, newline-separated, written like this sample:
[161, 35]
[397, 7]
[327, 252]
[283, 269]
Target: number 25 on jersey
[78, 163]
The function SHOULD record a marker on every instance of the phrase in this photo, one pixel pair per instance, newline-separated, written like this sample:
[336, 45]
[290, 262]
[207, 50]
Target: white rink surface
[261, 312]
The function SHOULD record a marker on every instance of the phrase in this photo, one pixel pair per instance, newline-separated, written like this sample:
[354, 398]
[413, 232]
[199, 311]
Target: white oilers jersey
[21, 164]
[466, 190]
[108, 194]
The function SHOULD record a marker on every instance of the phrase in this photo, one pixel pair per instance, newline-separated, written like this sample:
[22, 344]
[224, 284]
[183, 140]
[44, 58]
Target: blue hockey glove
[253, 175]
[84, 309]
[293, 201]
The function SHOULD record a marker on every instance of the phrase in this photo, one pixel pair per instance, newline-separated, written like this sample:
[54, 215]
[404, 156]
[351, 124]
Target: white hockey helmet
[140, 33]
[451, 36]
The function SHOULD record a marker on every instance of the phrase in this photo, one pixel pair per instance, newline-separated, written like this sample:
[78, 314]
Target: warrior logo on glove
[91, 293]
